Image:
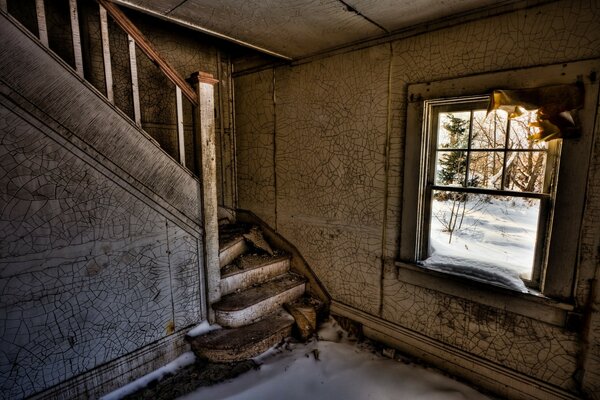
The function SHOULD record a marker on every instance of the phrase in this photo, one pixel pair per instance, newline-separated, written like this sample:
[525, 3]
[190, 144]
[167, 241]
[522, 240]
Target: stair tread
[243, 337]
[229, 234]
[241, 300]
[225, 243]
[248, 262]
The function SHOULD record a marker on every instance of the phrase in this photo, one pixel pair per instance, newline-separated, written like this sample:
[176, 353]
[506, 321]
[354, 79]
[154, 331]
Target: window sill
[532, 305]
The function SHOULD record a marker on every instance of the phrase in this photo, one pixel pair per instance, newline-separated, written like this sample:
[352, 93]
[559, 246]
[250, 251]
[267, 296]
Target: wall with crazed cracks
[101, 270]
[320, 148]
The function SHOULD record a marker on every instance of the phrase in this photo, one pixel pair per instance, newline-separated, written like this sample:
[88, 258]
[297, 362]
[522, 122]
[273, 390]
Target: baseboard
[117, 373]
[483, 373]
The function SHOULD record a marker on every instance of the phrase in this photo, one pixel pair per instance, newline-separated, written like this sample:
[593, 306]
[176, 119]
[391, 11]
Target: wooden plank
[108, 79]
[135, 90]
[76, 37]
[40, 12]
[180, 136]
[148, 49]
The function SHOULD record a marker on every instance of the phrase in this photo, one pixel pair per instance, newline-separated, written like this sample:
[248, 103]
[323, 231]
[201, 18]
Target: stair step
[231, 250]
[242, 308]
[237, 344]
[251, 269]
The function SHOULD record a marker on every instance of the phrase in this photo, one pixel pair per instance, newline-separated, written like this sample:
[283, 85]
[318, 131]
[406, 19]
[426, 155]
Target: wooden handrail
[125, 23]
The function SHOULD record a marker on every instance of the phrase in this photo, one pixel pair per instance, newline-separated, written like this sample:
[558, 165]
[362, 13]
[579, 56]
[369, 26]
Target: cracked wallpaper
[101, 243]
[100, 251]
[89, 272]
[331, 162]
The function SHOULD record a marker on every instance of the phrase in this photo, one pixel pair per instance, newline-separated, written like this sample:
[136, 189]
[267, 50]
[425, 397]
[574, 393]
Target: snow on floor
[335, 368]
[171, 368]
[495, 244]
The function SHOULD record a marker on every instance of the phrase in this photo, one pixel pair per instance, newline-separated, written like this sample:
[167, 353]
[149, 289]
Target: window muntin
[485, 194]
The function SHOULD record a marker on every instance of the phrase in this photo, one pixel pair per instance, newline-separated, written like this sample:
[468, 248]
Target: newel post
[204, 121]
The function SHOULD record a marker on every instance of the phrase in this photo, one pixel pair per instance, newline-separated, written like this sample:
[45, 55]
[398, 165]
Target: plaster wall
[100, 234]
[320, 157]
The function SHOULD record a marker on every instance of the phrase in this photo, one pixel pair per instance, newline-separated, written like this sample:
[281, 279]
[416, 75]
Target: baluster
[180, 135]
[106, 55]
[41, 21]
[76, 37]
[135, 91]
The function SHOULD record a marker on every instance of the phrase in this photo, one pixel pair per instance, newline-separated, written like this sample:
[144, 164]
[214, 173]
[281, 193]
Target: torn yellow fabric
[557, 108]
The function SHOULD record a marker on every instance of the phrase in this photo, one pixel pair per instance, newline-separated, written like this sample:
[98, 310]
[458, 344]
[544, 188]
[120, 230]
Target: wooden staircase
[256, 287]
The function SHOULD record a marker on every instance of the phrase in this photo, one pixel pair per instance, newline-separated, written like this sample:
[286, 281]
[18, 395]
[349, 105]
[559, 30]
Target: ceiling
[298, 28]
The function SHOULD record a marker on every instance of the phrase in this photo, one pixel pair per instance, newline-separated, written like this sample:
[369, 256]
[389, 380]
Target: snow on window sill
[528, 303]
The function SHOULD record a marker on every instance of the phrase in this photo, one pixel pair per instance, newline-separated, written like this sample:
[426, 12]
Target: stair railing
[135, 39]
[200, 94]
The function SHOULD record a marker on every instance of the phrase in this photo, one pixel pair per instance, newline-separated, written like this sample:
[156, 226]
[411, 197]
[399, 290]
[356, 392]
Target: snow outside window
[486, 193]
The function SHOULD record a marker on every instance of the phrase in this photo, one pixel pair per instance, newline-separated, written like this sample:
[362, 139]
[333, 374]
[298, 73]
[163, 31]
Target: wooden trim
[135, 89]
[203, 77]
[482, 372]
[41, 21]
[148, 49]
[76, 37]
[119, 372]
[108, 80]
[530, 305]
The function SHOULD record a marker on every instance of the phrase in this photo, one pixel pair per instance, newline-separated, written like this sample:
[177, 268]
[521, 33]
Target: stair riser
[238, 318]
[252, 277]
[229, 254]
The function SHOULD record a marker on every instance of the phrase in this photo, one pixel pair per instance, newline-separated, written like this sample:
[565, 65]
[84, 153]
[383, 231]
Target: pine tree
[454, 163]
[453, 169]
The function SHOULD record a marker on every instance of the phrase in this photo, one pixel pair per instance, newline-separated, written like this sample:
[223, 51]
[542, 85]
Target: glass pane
[484, 237]
[525, 171]
[485, 169]
[520, 132]
[453, 130]
[489, 131]
[450, 168]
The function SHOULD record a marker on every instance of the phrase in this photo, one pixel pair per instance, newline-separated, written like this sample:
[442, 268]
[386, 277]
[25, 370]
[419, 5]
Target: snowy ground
[332, 367]
[495, 243]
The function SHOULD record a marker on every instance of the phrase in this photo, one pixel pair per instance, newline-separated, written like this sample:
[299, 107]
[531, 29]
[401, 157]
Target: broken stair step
[229, 345]
[231, 250]
[242, 308]
[251, 269]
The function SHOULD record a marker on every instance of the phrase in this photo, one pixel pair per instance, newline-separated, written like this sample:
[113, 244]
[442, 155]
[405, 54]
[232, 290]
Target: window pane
[489, 131]
[450, 167]
[520, 132]
[453, 130]
[485, 169]
[484, 237]
[525, 171]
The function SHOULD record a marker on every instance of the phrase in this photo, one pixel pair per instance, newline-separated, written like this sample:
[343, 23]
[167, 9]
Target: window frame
[429, 150]
[559, 262]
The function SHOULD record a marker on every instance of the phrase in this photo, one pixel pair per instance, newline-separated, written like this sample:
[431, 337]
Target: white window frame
[557, 272]
[427, 178]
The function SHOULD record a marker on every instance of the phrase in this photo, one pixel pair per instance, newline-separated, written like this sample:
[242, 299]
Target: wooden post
[180, 132]
[40, 12]
[106, 55]
[135, 89]
[204, 127]
[76, 37]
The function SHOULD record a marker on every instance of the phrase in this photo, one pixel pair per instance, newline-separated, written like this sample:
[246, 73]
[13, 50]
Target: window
[486, 193]
[521, 195]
